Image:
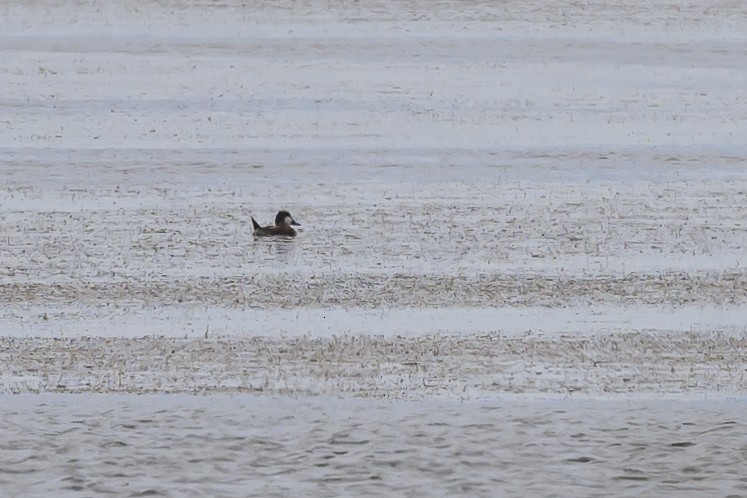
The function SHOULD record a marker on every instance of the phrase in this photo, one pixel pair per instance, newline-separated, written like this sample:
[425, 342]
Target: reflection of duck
[283, 222]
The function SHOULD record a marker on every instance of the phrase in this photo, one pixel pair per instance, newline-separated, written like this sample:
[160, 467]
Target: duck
[284, 224]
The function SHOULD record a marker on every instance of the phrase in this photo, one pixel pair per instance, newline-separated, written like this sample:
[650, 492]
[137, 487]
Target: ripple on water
[327, 446]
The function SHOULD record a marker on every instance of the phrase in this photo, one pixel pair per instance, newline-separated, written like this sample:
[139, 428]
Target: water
[441, 365]
[500, 200]
[174, 445]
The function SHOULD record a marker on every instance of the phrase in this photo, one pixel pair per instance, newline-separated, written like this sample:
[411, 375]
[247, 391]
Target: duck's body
[284, 223]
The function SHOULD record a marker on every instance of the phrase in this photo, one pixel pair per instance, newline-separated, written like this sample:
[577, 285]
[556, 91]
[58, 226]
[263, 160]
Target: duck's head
[285, 218]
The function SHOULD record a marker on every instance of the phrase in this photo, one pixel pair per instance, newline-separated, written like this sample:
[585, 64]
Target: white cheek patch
[288, 220]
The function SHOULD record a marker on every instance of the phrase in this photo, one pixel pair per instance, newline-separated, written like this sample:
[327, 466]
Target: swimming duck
[283, 222]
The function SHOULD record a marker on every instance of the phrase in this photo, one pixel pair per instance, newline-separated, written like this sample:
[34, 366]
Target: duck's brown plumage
[283, 222]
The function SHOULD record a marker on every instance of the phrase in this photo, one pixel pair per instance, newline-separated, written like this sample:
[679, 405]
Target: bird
[284, 224]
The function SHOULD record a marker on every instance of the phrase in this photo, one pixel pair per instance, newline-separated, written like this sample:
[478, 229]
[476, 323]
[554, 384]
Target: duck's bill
[295, 224]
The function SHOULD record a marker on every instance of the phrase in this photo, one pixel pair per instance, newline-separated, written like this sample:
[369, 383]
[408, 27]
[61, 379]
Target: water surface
[175, 445]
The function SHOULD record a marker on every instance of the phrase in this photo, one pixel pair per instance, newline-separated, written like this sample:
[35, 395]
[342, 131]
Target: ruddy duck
[283, 222]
